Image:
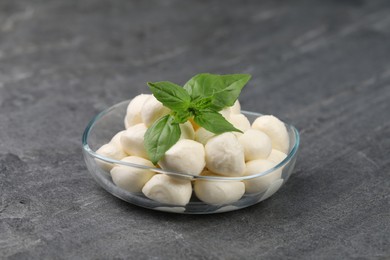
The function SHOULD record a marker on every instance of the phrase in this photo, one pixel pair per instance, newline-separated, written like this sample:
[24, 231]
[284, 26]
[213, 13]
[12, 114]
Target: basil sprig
[200, 99]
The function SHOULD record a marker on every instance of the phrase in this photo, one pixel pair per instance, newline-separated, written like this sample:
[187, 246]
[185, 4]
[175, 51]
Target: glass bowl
[105, 125]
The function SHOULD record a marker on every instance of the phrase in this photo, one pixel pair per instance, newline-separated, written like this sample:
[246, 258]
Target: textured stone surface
[322, 65]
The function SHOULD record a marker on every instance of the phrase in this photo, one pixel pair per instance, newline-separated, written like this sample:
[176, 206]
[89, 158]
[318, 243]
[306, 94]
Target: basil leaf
[214, 122]
[181, 117]
[224, 89]
[171, 95]
[202, 103]
[161, 136]
[202, 85]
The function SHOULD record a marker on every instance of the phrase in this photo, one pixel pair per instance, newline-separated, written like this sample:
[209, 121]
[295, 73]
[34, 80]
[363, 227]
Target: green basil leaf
[181, 117]
[214, 122]
[224, 89]
[203, 103]
[202, 85]
[171, 95]
[161, 136]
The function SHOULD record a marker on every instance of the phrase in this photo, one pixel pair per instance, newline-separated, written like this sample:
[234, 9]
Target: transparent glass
[105, 125]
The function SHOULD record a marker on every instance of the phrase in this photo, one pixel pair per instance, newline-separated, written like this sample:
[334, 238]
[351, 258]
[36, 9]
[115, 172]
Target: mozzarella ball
[225, 113]
[229, 111]
[186, 156]
[262, 183]
[152, 110]
[132, 140]
[276, 156]
[167, 189]
[274, 187]
[236, 108]
[275, 129]
[129, 178]
[256, 144]
[218, 192]
[202, 135]
[240, 122]
[133, 114]
[187, 131]
[111, 151]
[125, 122]
[225, 155]
[116, 140]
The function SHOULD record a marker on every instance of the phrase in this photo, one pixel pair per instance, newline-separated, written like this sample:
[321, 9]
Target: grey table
[322, 65]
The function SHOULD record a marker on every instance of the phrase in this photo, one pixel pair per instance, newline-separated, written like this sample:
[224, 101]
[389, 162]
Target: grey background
[322, 65]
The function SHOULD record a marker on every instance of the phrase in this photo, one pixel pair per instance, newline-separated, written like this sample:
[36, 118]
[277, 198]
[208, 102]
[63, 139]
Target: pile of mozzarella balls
[260, 147]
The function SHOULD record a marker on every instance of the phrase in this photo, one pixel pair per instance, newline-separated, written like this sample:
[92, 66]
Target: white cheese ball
[274, 187]
[260, 184]
[133, 112]
[218, 192]
[111, 151]
[116, 140]
[125, 121]
[236, 108]
[276, 156]
[275, 129]
[152, 110]
[129, 178]
[167, 189]
[202, 135]
[256, 144]
[132, 140]
[186, 156]
[225, 113]
[240, 122]
[225, 155]
[187, 131]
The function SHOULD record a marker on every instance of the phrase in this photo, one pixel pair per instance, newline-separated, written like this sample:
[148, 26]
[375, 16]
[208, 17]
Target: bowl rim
[92, 153]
